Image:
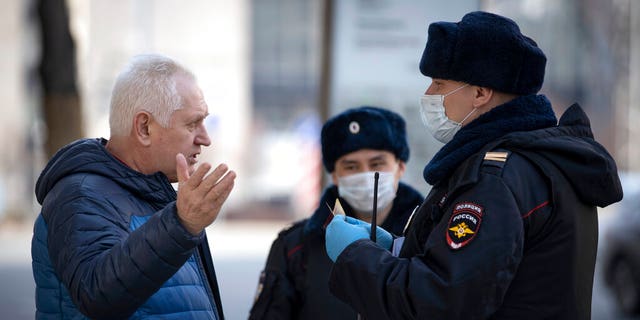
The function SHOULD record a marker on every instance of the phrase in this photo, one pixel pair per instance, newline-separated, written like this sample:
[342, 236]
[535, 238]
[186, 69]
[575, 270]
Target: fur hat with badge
[484, 49]
[363, 128]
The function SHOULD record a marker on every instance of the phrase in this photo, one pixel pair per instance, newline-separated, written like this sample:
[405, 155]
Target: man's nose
[203, 137]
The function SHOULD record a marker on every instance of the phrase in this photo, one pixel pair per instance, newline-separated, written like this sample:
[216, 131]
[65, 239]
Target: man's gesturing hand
[200, 197]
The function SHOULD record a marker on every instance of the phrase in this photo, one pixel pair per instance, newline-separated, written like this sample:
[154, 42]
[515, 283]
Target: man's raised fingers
[196, 178]
[220, 192]
[209, 181]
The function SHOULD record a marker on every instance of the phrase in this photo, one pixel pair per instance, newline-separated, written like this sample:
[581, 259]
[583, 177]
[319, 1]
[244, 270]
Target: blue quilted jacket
[108, 244]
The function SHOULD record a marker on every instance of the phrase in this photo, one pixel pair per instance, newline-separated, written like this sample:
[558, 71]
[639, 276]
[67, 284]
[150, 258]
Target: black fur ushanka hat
[484, 49]
[363, 128]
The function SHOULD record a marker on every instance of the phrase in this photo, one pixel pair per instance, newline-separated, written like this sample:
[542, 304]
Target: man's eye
[378, 164]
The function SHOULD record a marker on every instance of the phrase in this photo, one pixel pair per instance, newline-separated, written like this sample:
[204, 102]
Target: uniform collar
[524, 113]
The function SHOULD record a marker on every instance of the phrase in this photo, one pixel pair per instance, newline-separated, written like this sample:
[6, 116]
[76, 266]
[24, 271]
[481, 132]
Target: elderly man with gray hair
[114, 239]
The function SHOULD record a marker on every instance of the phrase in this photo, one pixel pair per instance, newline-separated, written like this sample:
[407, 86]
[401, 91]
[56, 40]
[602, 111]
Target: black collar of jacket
[568, 147]
[524, 113]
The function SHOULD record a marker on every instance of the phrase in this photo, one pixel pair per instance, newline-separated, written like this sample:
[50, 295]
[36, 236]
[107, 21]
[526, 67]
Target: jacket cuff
[176, 231]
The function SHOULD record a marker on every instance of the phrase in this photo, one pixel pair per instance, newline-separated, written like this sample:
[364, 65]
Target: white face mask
[357, 190]
[435, 119]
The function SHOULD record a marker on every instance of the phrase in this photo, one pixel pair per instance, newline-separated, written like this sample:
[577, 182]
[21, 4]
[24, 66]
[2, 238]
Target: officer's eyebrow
[347, 162]
[379, 157]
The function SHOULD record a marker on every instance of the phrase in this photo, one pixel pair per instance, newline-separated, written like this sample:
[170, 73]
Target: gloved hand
[342, 232]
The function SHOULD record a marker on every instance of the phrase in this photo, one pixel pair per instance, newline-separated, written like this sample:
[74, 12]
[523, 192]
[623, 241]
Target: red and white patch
[464, 224]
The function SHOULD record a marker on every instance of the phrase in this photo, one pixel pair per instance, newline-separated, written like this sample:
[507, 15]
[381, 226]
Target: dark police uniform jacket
[509, 233]
[294, 283]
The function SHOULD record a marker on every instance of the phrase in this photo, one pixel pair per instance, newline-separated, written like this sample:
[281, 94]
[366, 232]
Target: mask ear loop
[468, 115]
[455, 90]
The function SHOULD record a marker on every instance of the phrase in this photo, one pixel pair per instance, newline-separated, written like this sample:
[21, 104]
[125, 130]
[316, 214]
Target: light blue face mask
[435, 119]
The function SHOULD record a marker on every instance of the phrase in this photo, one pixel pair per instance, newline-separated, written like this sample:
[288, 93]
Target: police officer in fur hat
[355, 144]
[509, 229]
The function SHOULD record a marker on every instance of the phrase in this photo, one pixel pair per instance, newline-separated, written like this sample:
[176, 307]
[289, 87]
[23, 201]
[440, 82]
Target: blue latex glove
[342, 232]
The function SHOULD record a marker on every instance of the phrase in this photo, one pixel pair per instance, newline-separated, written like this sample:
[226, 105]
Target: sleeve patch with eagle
[464, 224]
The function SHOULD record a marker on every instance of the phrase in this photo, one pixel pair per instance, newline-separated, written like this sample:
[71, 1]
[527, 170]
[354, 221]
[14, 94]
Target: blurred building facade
[20, 126]
[270, 83]
[285, 67]
[593, 51]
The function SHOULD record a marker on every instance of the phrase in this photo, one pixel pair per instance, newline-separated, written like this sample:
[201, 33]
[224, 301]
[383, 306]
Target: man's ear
[482, 96]
[334, 177]
[142, 127]
[402, 167]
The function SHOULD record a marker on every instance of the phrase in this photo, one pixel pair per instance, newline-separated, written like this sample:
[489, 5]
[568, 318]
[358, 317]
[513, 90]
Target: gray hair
[146, 84]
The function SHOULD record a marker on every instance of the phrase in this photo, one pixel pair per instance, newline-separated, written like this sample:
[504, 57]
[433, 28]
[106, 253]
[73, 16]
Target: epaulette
[293, 238]
[500, 156]
[495, 160]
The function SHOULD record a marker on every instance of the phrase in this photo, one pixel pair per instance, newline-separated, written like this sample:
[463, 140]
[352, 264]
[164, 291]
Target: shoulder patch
[464, 224]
